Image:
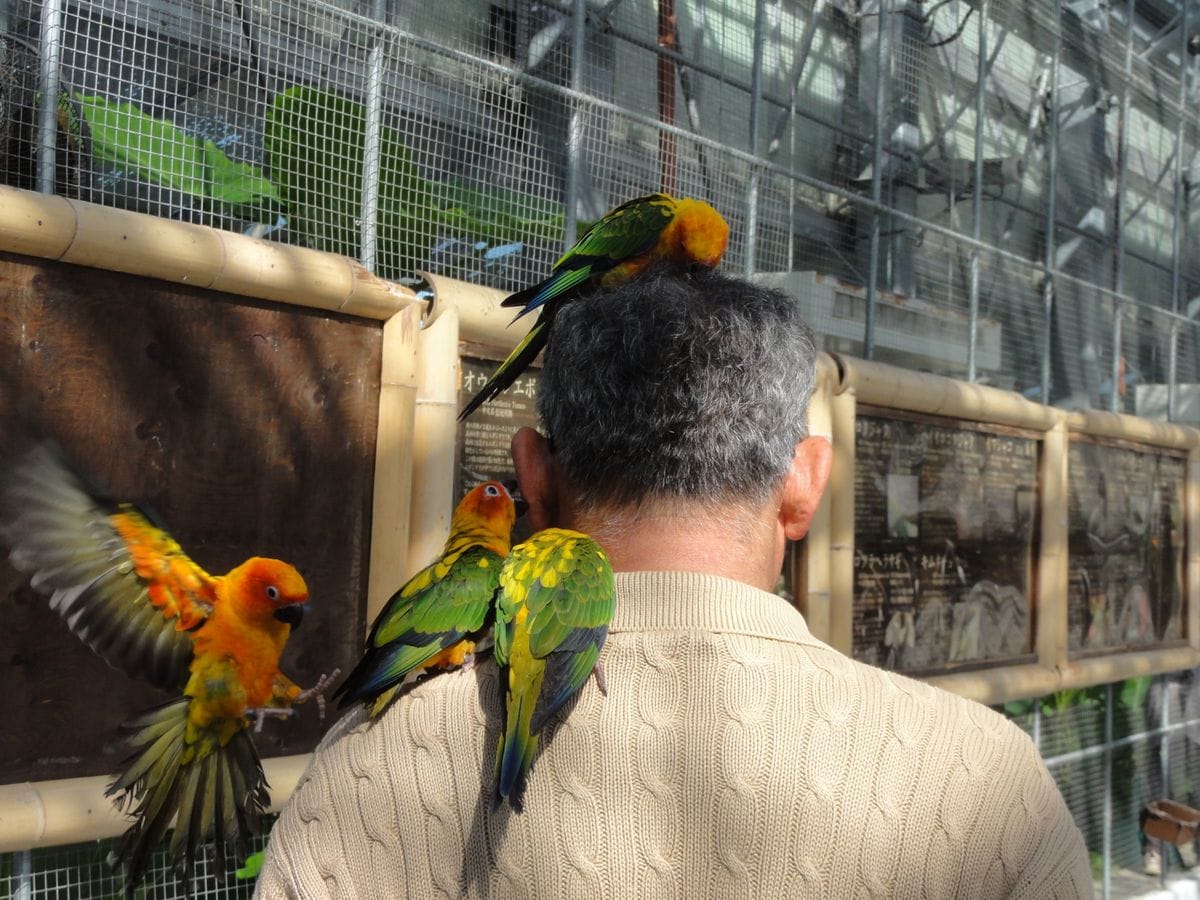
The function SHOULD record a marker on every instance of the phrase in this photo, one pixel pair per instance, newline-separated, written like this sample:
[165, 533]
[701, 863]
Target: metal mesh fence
[81, 872]
[1005, 170]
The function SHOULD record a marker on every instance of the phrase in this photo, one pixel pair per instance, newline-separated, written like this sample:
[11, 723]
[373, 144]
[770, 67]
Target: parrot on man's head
[435, 620]
[624, 242]
[130, 593]
[557, 598]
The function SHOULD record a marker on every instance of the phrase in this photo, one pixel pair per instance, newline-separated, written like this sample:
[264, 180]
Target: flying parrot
[620, 245]
[130, 593]
[557, 596]
[436, 619]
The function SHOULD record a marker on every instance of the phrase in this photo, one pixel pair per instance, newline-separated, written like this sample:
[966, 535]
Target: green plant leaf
[252, 866]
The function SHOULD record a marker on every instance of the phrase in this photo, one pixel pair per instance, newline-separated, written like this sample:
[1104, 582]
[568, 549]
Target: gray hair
[677, 387]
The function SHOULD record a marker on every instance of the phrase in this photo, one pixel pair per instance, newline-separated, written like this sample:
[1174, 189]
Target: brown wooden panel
[248, 428]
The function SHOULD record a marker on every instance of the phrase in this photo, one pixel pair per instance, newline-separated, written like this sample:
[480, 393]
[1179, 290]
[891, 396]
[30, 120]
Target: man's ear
[534, 464]
[804, 486]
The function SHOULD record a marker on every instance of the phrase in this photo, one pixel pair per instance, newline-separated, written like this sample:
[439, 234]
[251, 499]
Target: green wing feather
[625, 231]
[442, 604]
[565, 585]
[628, 231]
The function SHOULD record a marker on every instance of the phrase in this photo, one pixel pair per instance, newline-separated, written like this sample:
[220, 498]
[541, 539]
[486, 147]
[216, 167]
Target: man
[734, 755]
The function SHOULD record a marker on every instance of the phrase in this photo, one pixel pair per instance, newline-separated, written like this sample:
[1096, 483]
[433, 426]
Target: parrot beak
[519, 501]
[292, 614]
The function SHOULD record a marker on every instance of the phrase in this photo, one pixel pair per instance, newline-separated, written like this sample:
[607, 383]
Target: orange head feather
[268, 589]
[488, 508]
[703, 233]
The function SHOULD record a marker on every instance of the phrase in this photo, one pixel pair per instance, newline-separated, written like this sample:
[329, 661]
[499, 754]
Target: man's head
[675, 396]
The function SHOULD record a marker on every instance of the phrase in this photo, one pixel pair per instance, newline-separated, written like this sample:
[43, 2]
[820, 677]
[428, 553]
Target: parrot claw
[468, 662]
[259, 715]
[318, 691]
[598, 674]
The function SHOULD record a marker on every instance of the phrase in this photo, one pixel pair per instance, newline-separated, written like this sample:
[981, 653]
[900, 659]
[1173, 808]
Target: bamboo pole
[482, 320]
[434, 434]
[878, 384]
[815, 598]
[71, 810]
[1192, 554]
[1098, 423]
[1053, 571]
[391, 507]
[116, 240]
[841, 524]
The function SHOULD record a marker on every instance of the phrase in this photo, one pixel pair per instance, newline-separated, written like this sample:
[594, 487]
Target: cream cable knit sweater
[734, 756]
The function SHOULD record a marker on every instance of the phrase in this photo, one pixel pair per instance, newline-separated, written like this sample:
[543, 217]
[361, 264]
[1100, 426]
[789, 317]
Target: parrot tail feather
[518, 361]
[515, 755]
[214, 793]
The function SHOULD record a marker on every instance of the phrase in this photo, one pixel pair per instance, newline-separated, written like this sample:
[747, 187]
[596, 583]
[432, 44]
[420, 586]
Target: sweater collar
[672, 601]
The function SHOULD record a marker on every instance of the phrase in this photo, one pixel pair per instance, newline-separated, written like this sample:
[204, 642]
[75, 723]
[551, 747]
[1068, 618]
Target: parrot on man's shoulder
[128, 590]
[626, 241]
[439, 616]
[557, 598]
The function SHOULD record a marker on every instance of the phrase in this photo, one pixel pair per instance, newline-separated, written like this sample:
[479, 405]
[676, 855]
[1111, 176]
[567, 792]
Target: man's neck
[734, 546]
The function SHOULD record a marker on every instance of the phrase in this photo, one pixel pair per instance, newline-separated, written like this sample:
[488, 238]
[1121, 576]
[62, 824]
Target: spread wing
[125, 587]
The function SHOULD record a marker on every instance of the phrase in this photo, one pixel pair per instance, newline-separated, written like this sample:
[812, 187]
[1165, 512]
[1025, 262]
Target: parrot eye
[492, 491]
[272, 592]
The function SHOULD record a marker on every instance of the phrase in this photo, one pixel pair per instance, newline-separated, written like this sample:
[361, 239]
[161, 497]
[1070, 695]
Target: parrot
[556, 601]
[437, 618]
[128, 591]
[623, 243]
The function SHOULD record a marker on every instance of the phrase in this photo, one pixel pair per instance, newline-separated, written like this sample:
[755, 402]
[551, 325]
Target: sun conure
[557, 596]
[435, 620]
[623, 243]
[128, 590]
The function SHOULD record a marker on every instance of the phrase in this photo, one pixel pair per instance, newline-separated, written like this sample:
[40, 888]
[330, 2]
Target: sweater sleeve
[1053, 860]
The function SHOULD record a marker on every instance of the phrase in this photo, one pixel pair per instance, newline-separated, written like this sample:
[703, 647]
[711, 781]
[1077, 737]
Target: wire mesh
[1006, 164]
[81, 872]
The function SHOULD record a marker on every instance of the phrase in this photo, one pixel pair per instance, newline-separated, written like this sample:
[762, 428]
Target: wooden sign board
[944, 522]
[1126, 539]
[248, 428]
[484, 438]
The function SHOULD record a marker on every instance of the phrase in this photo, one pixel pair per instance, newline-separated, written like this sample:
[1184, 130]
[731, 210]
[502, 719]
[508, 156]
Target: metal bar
[977, 192]
[1116, 376]
[50, 60]
[1118, 232]
[756, 78]
[22, 875]
[788, 114]
[881, 108]
[1088, 752]
[1036, 733]
[372, 150]
[1106, 831]
[667, 153]
[575, 137]
[1172, 371]
[1177, 301]
[1122, 156]
[1048, 274]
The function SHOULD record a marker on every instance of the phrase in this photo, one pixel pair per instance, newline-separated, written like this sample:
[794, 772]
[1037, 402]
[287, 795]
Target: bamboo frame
[418, 402]
[63, 811]
[885, 386]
